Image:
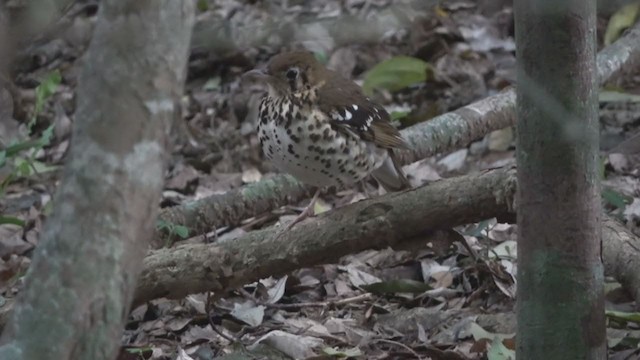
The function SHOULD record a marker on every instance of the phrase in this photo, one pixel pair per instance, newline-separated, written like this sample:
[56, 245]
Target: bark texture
[80, 285]
[444, 133]
[220, 267]
[374, 223]
[620, 58]
[560, 270]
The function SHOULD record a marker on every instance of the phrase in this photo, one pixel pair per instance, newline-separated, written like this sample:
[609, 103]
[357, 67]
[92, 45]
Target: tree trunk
[560, 301]
[80, 285]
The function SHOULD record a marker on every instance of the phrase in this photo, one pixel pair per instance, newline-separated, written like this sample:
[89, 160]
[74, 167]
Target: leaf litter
[453, 298]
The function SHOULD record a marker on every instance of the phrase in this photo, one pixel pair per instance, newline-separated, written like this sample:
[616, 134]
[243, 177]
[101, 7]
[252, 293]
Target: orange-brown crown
[290, 72]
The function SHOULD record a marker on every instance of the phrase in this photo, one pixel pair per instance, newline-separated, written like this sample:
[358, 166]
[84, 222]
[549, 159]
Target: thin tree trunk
[81, 282]
[560, 301]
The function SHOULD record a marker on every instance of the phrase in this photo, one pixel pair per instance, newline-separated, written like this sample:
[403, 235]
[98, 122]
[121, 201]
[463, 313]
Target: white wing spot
[347, 115]
[355, 107]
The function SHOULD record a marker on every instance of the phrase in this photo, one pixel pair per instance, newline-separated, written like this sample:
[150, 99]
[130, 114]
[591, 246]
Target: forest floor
[439, 302]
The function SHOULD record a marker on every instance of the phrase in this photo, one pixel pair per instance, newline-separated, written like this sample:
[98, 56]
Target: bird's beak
[255, 76]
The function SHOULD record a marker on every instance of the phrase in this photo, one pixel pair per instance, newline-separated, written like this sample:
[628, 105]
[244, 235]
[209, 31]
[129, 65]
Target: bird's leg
[363, 182]
[305, 213]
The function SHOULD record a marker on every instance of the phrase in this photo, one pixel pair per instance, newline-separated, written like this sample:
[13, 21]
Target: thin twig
[401, 345]
[229, 338]
[328, 303]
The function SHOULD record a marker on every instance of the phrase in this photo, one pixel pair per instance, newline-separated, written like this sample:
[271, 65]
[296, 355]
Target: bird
[321, 128]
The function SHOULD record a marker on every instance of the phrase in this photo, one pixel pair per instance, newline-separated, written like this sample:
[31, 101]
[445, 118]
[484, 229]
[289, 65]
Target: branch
[374, 223]
[620, 58]
[392, 220]
[441, 134]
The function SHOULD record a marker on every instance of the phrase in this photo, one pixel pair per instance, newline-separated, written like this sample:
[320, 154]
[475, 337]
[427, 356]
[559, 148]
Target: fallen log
[392, 220]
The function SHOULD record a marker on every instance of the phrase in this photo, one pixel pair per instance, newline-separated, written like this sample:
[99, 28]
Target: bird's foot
[307, 212]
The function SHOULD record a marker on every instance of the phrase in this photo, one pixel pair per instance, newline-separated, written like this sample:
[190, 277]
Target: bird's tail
[390, 175]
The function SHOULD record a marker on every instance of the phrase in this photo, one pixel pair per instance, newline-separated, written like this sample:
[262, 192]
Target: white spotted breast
[303, 143]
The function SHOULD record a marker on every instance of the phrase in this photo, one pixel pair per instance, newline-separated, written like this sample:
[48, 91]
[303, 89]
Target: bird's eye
[292, 73]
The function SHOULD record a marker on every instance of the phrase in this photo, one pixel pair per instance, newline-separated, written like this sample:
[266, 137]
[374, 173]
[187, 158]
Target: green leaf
[395, 74]
[38, 167]
[397, 286]
[162, 225]
[47, 134]
[5, 182]
[25, 145]
[397, 115]
[479, 333]
[212, 84]
[500, 352]
[181, 231]
[321, 207]
[620, 20]
[11, 220]
[48, 208]
[615, 199]
[172, 229]
[617, 96]
[347, 353]
[138, 350]
[624, 316]
[46, 88]
[478, 229]
[3, 157]
[203, 5]
[322, 57]
[621, 343]
[23, 168]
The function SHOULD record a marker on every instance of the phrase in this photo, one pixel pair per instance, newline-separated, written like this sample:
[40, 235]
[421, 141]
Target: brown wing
[351, 111]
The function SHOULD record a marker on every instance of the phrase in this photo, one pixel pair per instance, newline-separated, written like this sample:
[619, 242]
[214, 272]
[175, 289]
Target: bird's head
[292, 73]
